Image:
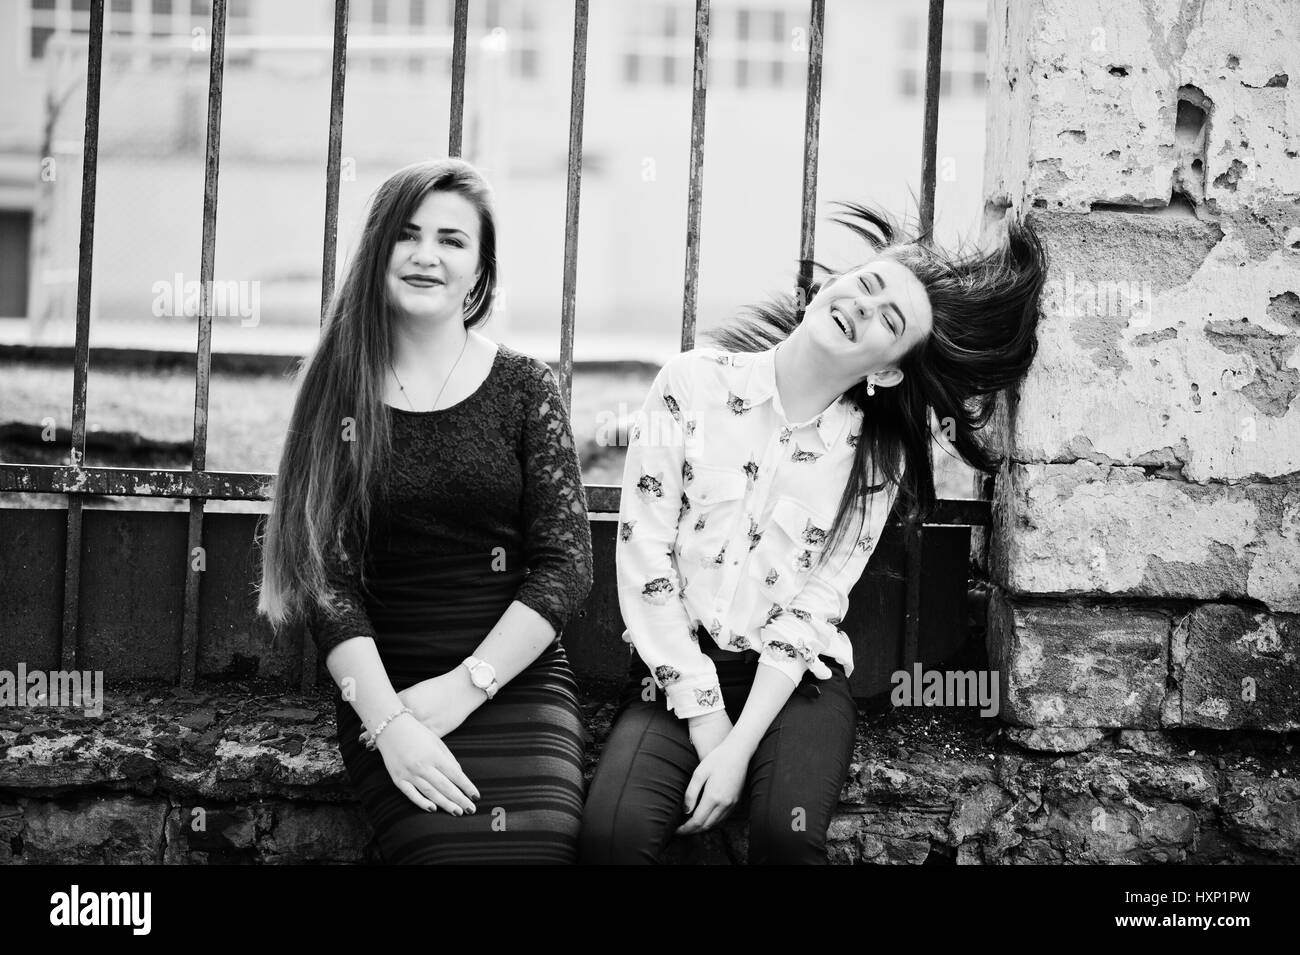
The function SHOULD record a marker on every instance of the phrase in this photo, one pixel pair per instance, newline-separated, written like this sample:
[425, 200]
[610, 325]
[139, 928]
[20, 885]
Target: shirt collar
[831, 425]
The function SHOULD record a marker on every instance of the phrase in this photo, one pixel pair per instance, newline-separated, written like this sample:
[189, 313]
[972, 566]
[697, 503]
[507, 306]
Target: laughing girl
[759, 476]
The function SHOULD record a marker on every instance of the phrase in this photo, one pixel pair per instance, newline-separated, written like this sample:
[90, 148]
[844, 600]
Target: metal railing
[199, 485]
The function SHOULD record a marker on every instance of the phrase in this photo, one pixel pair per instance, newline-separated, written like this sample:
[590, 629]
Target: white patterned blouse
[726, 510]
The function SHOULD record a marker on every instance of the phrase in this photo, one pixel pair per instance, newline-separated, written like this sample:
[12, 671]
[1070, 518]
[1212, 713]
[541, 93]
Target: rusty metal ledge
[254, 486]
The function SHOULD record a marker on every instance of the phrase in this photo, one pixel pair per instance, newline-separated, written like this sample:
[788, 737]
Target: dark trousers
[634, 803]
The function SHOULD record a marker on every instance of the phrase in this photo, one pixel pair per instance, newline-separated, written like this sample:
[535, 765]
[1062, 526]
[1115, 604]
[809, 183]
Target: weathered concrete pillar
[1146, 548]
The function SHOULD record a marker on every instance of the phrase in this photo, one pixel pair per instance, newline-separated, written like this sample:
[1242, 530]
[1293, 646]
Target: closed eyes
[899, 325]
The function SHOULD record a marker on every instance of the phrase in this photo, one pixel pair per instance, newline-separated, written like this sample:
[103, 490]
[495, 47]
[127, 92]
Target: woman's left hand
[715, 787]
[442, 703]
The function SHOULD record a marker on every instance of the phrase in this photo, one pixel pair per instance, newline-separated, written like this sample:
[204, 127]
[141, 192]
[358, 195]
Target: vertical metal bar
[933, 57]
[811, 142]
[195, 561]
[333, 163]
[460, 30]
[912, 551]
[71, 585]
[81, 357]
[212, 164]
[577, 100]
[86, 246]
[334, 157]
[699, 88]
[187, 664]
[912, 616]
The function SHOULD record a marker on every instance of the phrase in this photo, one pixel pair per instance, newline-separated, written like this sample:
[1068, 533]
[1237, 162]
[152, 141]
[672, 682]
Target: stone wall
[1146, 544]
[246, 774]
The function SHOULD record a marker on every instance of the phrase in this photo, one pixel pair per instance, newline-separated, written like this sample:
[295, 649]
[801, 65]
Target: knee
[792, 839]
[615, 837]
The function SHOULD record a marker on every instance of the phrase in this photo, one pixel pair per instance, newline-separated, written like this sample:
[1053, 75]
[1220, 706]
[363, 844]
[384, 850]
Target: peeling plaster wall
[1155, 445]
[1092, 93]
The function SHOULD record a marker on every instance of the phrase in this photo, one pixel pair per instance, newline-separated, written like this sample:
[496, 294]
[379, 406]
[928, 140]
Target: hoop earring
[473, 299]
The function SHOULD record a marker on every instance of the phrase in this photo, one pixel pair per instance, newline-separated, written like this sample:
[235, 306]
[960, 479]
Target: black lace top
[498, 470]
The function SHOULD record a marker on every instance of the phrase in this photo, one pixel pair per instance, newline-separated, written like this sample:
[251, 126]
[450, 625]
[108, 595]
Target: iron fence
[199, 485]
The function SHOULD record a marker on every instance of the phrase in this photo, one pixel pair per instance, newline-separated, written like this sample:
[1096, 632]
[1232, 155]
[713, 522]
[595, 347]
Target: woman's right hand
[423, 768]
[708, 731]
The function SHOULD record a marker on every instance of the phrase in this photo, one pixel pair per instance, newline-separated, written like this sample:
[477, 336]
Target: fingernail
[460, 812]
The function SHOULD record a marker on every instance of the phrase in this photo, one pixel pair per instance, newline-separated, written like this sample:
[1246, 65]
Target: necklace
[444, 384]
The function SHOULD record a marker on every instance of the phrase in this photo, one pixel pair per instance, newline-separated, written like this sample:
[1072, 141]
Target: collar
[831, 425]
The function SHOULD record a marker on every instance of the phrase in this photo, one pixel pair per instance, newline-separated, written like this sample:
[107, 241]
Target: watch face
[481, 676]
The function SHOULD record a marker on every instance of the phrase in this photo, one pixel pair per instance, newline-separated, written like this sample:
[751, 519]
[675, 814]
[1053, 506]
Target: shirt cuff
[794, 660]
[699, 699]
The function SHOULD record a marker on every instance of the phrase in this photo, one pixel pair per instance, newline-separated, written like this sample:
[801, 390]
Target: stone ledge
[242, 773]
[1078, 662]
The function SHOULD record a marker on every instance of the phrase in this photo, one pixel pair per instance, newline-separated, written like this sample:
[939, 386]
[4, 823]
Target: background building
[635, 173]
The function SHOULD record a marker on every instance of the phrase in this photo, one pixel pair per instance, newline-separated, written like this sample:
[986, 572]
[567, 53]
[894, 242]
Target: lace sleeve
[346, 615]
[557, 535]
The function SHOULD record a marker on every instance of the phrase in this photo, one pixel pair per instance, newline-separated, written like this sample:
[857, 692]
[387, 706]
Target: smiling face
[868, 318]
[435, 261]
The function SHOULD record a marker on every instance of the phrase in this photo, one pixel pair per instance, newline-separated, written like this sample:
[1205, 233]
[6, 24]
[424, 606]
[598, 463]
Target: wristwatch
[483, 675]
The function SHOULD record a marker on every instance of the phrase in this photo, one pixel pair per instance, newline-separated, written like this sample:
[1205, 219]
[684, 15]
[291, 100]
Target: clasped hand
[718, 780]
[418, 761]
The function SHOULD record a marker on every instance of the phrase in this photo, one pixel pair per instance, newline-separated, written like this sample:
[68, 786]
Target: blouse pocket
[799, 536]
[708, 508]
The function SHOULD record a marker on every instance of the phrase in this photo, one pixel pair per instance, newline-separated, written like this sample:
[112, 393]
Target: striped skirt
[523, 749]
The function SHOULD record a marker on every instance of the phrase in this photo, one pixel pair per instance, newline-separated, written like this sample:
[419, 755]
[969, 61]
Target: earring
[871, 388]
[474, 296]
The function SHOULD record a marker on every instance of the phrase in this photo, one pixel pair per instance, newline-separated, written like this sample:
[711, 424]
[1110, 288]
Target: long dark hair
[985, 308]
[339, 439]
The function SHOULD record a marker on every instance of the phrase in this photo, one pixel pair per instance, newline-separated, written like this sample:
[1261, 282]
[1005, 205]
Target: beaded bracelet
[371, 739]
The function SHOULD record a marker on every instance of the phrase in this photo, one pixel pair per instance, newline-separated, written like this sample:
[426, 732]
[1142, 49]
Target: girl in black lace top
[429, 526]
[494, 479]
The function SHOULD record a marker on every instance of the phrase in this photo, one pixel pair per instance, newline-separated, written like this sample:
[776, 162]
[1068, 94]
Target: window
[524, 44]
[138, 33]
[656, 43]
[749, 46]
[15, 235]
[429, 26]
[961, 72]
[758, 47]
[47, 19]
